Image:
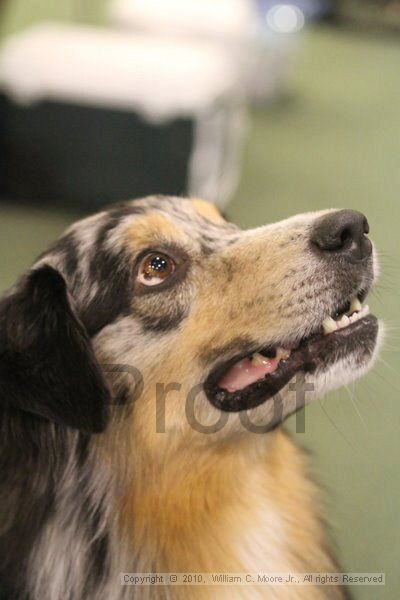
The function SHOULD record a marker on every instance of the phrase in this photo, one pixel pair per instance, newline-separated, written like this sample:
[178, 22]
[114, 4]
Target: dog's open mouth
[246, 381]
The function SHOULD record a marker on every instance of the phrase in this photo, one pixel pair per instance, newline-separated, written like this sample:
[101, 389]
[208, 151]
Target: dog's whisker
[387, 381]
[389, 366]
[332, 422]
[354, 403]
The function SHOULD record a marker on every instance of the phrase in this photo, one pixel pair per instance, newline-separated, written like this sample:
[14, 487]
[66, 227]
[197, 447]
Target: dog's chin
[347, 369]
[320, 363]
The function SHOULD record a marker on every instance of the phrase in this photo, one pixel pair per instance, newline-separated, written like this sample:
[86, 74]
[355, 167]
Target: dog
[147, 362]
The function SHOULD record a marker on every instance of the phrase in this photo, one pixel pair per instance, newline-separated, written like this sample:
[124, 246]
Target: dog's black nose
[342, 233]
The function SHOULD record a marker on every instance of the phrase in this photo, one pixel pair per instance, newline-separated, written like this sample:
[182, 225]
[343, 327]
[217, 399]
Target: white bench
[104, 114]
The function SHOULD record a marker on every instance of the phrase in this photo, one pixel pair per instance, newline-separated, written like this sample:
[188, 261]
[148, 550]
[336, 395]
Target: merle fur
[51, 388]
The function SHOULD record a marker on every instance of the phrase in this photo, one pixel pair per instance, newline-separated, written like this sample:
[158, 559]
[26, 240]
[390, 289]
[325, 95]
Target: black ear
[47, 365]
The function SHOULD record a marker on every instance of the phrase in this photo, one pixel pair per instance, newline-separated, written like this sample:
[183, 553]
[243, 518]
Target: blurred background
[266, 108]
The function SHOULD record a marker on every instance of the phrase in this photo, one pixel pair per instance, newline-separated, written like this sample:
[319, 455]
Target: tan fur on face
[207, 210]
[151, 229]
[236, 305]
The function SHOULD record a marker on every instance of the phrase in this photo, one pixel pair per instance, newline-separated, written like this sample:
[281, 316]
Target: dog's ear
[47, 364]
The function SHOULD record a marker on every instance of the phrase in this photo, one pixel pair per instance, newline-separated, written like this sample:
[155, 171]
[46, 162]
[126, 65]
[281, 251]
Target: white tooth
[355, 305]
[329, 325]
[259, 359]
[282, 353]
[344, 321]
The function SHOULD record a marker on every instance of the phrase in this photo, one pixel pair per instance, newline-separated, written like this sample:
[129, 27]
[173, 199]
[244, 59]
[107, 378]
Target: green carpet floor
[333, 142]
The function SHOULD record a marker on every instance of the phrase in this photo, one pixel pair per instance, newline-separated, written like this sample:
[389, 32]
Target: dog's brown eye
[155, 268]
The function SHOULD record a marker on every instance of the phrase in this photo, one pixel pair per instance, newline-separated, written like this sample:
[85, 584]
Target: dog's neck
[248, 503]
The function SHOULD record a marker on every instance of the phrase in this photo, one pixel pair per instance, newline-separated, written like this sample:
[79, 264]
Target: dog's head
[161, 310]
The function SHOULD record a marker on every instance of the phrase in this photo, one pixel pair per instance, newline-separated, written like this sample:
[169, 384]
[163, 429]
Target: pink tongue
[245, 373]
